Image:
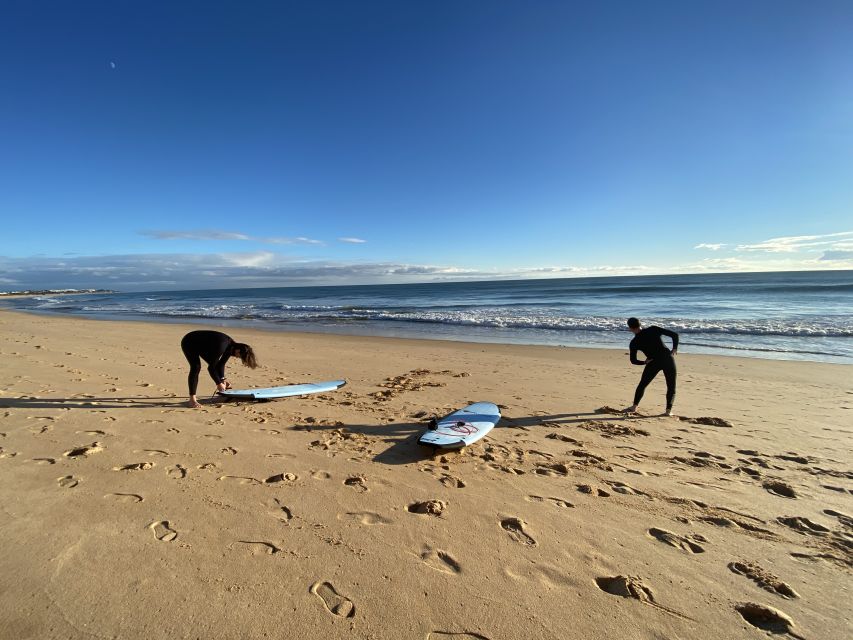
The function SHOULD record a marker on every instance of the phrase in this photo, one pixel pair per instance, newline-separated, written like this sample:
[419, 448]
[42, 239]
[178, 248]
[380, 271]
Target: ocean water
[795, 316]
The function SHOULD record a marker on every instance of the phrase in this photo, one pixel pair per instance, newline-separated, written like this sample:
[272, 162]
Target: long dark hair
[246, 355]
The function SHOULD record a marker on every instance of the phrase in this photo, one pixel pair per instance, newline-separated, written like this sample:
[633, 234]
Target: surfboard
[462, 427]
[288, 390]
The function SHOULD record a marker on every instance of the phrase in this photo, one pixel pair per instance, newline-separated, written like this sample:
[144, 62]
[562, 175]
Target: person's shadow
[112, 402]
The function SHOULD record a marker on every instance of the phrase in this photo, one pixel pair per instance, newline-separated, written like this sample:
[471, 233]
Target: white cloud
[794, 244]
[710, 246]
[149, 272]
[299, 240]
[352, 240]
[216, 234]
[202, 234]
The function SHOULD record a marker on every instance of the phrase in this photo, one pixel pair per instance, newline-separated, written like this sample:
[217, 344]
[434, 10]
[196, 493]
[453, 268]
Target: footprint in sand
[240, 479]
[461, 635]
[258, 547]
[281, 477]
[589, 489]
[626, 489]
[358, 482]
[766, 618]
[321, 475]
[778, 488]
[162, 531]
[368, 517]
[85, 450]
[153, 452]
[440, 561]
[335, 603]
[280, 455]
[177, 472]
[552, 469]
[763, 579]
[559, 502]
[838, 489]
[677, 541]
[452, 482]
[207, 466]
[44, 460]
[67, 482]
[428, 508]
[633, 587]
[136, 466]
[708, 421]
[732, 523]
[125, 497]
[515, 528]
[843, 518]
[626, 587]
[803, 525]
[229, 451]
[282, 512]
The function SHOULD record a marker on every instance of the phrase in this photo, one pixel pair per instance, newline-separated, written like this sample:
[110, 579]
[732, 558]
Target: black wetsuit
[649, 341]
[211, 346]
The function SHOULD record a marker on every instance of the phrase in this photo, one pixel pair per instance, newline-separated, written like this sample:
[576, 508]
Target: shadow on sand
[403, 436]
[131, 402]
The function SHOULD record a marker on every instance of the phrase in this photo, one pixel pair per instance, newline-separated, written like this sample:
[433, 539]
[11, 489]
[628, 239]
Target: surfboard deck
[286, 391]
[463, 427]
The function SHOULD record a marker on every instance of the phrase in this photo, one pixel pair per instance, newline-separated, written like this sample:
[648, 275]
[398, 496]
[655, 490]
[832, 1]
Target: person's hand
[674, 351]
[222, 386]
[227, 384]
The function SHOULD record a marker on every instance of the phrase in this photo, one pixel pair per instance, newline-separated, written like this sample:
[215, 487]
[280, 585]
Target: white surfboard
[286, 391]
[462, 427]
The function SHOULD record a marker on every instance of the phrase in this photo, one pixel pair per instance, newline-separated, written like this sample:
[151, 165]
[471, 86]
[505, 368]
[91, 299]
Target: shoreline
[321, 515]
[364, 332]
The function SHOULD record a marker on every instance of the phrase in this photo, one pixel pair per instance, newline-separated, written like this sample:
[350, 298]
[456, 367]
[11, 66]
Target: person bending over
[658, 358]
[214, 348]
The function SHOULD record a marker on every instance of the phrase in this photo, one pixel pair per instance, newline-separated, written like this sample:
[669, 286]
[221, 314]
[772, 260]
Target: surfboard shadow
[131, 402]
[402, 437]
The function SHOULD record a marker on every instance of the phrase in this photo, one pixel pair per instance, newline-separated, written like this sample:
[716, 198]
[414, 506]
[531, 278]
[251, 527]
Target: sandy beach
[127, 515]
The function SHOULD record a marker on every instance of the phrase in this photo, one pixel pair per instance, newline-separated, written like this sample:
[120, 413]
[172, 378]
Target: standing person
[214, 348]
[658, 358]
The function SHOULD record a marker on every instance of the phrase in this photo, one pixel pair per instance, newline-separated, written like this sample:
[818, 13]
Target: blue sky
[145, 144]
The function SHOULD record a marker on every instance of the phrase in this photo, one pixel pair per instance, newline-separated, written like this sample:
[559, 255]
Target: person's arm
[673, 336]
[217, 372]
[633, 356]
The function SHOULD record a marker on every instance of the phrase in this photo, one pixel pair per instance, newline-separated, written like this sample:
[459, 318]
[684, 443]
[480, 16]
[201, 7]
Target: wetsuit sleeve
[671, 334]
[633, 348]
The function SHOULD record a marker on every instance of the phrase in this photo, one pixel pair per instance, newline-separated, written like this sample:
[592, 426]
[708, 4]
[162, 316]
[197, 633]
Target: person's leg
[192, 378]
[669, 372]
[649, 373]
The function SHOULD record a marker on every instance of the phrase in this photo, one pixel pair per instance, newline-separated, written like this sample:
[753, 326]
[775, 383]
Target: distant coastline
[51, 292]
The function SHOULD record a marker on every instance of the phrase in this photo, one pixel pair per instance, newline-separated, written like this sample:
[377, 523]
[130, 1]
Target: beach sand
[127, 515]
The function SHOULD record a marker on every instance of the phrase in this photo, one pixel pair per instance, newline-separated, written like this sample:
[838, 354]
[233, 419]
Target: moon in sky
[112, 65]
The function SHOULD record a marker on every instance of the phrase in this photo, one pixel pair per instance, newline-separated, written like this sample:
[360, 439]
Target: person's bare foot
[631, 409]
[192, 403]
[668, 413]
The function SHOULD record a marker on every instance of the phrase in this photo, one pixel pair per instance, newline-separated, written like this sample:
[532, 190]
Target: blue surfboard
[463, 427]
[271, 393]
